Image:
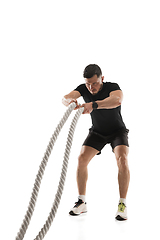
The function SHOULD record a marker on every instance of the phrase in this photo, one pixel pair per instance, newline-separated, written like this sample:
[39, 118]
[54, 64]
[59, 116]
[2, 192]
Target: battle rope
[39, 176]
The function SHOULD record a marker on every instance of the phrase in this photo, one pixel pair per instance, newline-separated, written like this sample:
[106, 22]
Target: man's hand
[67, 102]
[87, 108]
[71, 97]
[75, 101]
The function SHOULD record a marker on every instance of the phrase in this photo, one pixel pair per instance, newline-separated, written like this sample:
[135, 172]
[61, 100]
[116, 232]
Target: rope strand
[58, 195]
[35, 191]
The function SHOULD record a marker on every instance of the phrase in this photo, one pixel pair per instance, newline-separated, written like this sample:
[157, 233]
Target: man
[103, 102]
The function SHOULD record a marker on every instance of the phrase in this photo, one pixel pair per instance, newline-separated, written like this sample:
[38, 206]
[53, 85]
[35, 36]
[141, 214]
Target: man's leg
[121, 153]
[86, 154]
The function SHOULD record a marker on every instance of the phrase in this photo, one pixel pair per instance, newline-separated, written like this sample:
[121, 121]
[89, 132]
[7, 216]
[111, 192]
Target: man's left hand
[87, 108]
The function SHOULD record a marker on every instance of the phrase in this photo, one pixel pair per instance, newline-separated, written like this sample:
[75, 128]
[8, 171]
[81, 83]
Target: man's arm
[71, 97]
[114, 100]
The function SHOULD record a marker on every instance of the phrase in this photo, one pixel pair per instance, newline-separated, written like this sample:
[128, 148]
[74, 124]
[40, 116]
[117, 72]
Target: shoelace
[78, 203]
[121, 207]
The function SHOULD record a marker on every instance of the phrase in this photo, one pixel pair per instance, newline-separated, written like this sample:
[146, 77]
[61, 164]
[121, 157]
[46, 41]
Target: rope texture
[52, 214]
[35, 191]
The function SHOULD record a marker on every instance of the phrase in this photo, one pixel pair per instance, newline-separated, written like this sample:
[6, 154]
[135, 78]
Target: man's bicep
[73, 95]
[117, 93]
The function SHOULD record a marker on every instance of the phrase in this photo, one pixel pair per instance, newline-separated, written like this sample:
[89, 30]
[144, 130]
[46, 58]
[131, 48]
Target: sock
[82, 197]
[123, 200]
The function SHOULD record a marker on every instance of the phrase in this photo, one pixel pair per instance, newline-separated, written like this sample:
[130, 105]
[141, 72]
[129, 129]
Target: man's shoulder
[81, 88]
[112, 86]
[109, 83]
[82, 85]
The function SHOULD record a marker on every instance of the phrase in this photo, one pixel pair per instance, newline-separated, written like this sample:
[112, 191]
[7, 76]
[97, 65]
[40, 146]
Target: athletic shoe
[122, 212]
[80, 207]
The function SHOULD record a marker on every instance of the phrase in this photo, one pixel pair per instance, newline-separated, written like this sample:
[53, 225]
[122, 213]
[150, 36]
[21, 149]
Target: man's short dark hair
[92, 70]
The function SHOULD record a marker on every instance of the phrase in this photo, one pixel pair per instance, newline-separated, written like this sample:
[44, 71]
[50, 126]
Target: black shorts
[98, 141]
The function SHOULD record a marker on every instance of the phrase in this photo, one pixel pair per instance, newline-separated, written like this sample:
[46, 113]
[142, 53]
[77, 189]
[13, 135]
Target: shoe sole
[73, 214]
[119, 218]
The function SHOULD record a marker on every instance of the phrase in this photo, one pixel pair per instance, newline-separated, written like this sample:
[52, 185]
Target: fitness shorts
[98, 141]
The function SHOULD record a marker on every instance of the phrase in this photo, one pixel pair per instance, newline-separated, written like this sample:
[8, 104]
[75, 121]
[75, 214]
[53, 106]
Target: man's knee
[82, 161]
[122, 161]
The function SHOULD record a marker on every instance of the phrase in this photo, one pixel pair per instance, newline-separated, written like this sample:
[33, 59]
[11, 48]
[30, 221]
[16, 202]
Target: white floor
[98, 223]
[101, 226]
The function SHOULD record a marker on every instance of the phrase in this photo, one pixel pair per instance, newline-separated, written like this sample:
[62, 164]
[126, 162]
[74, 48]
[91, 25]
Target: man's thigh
[121, 138]
[87, 153]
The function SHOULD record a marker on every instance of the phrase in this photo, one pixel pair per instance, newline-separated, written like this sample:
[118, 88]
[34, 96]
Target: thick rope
[58, 195]
[39, 176]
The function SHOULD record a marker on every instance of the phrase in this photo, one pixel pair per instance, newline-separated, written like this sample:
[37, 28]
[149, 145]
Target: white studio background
[44, 47]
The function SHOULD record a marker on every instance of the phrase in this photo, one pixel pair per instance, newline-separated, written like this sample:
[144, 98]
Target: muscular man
[103, 103]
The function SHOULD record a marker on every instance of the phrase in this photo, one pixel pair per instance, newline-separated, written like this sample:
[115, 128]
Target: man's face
[94, 84]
